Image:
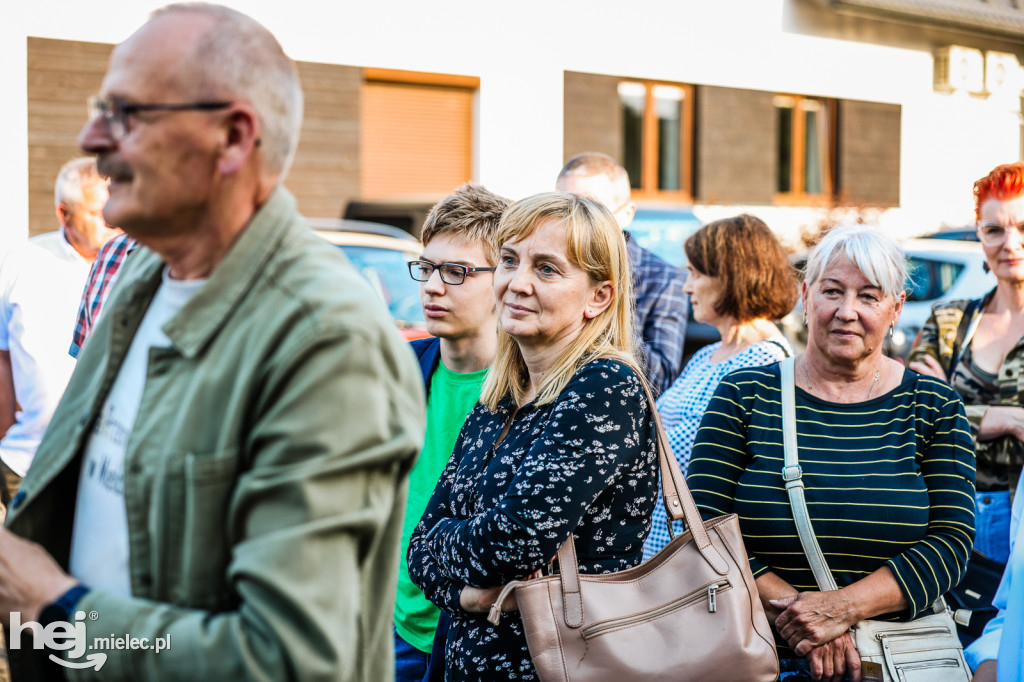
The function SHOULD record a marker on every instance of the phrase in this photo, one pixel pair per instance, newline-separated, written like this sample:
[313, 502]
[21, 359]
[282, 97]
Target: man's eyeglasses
[994, 234]
[451, 273]
[115, 111]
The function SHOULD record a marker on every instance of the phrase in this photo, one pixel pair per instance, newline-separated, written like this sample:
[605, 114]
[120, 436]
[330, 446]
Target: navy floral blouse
[585, 463]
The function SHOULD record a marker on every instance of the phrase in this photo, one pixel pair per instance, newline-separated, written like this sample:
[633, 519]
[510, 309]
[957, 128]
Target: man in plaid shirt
[102, 275]
[661, 306]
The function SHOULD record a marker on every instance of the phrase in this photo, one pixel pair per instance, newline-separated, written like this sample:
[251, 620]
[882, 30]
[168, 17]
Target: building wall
[63, 74]
[735, 146]
[521, 52]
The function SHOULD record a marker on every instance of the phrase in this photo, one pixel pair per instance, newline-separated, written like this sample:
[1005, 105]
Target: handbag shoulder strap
[680, 505]
[792, 475]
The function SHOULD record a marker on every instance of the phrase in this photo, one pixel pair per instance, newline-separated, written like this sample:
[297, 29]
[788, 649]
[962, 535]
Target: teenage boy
[456, 280]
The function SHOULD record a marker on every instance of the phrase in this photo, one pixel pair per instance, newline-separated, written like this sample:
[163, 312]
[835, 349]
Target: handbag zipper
[709, 593]
[895, 634]
[924, 665]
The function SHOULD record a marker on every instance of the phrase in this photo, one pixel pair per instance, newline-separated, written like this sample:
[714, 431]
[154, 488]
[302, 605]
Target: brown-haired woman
[739, 280]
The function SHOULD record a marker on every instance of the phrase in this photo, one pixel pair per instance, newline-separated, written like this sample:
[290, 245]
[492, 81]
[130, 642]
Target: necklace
[871, 390]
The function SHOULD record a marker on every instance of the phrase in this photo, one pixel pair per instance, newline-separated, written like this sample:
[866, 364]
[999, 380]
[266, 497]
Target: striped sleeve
[932, 566]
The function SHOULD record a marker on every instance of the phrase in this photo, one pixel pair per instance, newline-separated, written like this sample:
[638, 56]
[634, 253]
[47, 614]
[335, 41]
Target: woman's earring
[892, 329]
[805, 317]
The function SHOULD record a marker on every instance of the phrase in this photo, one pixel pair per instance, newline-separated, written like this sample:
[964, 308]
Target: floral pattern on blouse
[585, 463]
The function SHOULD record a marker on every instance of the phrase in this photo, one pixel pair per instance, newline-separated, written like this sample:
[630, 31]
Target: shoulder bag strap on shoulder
[792, 475]
[680, 505]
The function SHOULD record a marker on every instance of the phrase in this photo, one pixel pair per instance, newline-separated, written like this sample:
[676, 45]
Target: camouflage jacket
[944, 335]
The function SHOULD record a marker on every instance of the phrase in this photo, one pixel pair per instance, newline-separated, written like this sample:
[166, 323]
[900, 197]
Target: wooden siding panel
[62, 75]
[735, 145]
[869, 153]
[325, 175]
[592, 118]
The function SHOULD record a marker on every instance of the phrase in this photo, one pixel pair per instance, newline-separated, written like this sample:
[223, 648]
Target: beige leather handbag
[926, 649]
[690, 613]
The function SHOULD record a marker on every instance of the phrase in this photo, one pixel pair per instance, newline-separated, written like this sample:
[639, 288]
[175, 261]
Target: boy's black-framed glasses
[451, 273]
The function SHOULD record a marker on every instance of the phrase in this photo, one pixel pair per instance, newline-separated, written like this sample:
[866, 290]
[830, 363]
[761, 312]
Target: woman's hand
[479, 599]
[1000, 420]
[810, 619]
[930, 368]
[829, 662]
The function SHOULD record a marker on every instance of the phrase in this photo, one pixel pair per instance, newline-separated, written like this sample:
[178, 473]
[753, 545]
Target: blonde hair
[471, 212]
[594, 242]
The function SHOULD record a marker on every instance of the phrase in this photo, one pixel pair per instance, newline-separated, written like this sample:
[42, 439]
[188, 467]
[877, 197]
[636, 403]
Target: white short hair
[877, 256]
[72, 178]
[238, 57]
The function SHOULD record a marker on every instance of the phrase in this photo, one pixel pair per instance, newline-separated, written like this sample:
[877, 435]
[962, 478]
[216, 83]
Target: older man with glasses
[226, 471]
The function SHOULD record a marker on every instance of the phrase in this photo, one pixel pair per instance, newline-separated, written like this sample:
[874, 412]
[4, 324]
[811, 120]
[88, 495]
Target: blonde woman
[562, 442]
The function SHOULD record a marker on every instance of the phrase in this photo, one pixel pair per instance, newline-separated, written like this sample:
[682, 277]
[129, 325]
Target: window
[805, 164]
[928, 279]
[656, 137]
[416, 133]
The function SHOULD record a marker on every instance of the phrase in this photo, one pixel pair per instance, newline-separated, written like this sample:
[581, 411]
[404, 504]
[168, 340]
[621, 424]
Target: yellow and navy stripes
[890, 481]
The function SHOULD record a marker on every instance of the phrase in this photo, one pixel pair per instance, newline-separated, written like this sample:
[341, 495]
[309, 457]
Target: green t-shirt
[452, 397]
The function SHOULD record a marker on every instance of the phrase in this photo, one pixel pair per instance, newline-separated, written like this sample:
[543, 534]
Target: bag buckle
[792, 472]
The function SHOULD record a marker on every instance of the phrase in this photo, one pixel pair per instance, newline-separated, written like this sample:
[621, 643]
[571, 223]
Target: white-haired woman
[562, 442]
[886, 457]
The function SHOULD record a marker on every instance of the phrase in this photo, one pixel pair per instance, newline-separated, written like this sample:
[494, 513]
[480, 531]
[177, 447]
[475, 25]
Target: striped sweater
[890, 481]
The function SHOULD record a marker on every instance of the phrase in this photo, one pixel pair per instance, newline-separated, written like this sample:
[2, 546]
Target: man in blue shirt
[661, 307]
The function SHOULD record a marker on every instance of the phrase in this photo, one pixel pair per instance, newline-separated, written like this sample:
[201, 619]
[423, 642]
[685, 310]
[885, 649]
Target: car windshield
[388, 273]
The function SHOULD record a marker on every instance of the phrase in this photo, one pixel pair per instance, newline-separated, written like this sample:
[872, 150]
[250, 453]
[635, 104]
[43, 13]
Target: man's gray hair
[73, 176]
[877, 256]
[593, 163]
[238, 57]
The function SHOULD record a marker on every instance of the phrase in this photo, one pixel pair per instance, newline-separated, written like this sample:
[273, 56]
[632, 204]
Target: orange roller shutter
[416, 139]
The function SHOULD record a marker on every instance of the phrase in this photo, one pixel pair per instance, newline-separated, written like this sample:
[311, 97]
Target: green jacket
[265, 477]
[946, 333]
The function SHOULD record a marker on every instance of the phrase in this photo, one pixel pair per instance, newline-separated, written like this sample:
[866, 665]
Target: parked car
[938, 270]
[381, 253]
[662, 231]
[968, 233]
[405, 214]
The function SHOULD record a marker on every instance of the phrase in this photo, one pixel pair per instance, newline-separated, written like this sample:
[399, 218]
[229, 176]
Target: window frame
[797, 196]
[649, 146]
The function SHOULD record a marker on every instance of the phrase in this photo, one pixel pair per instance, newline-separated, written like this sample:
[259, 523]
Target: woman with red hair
[978, 347]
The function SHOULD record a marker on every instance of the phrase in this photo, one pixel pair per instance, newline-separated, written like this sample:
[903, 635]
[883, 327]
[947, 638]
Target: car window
[388, 273]
[929, 279]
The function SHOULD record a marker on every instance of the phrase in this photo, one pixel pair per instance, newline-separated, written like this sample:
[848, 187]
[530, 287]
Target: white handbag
[926, 649]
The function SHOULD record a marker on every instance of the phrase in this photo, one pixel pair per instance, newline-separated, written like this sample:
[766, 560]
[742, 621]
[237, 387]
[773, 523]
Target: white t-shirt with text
[99, 540]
